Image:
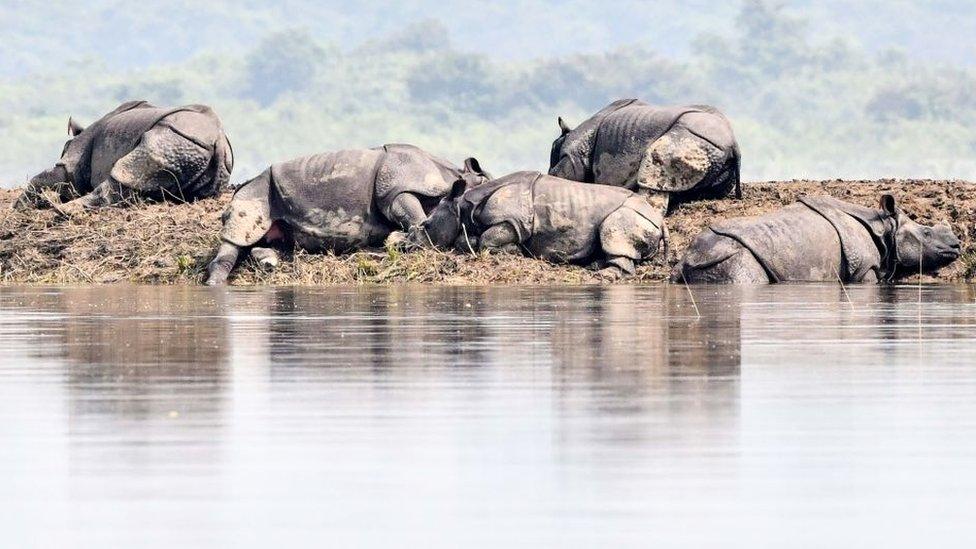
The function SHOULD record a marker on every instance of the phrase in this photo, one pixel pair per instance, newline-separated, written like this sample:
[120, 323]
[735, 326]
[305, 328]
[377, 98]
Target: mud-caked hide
[818, 238]
[336, 201]
[562, 221]
[92, 156]
[614, 145]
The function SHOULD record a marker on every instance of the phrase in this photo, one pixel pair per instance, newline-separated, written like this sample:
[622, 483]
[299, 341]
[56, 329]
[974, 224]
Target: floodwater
[784, 416]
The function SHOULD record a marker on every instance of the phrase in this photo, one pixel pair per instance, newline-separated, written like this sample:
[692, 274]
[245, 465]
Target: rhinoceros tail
[223, 161]
[736, 172]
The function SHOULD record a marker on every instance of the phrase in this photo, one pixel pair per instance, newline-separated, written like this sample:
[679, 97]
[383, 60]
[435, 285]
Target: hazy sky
[39, 35]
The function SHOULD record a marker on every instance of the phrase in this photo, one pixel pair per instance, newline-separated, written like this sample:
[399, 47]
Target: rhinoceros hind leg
[162, 165]
[222, 264]
[716, 259]
[678, 162]
[627, 238]
[502, 238]
[617, 267]
[407, 211]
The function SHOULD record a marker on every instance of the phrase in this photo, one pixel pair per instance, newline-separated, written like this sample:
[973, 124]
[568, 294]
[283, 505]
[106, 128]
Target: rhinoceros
[335, 201]
[818, 239]
[669, 154]
[138, 149]
[549, 218]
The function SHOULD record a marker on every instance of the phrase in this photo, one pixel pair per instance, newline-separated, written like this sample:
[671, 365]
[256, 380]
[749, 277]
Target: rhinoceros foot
[266, 258]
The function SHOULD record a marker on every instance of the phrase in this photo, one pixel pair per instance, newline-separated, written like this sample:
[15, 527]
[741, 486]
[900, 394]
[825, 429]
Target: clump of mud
[172, 244]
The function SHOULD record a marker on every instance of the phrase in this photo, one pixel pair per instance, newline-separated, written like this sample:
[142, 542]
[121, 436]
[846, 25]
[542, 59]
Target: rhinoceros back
[406, 168]
[801, 243]
[625, 134]
[794, 243]
[507, 199]
[567, 217]
[327, 199]
[92, 155]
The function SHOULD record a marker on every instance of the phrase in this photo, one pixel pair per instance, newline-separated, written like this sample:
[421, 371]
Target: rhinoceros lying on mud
[668, 153]
[549, 218]
[140, 150]
[338, 201]
[817, 239]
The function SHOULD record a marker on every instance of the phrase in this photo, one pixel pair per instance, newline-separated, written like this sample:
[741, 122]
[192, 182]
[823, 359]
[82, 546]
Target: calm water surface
[784, 416]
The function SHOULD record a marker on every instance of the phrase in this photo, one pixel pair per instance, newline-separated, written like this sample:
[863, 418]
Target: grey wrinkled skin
[817, 239]
[138, 151]
[548, 218]
[670, 154]
[336, 201]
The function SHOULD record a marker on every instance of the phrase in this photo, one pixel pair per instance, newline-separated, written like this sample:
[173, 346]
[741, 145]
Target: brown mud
[172, 243]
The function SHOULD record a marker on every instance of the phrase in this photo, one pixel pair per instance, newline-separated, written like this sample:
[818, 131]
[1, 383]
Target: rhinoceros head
[60, 172]
[921, 247]
[569, 153]
[443, 226]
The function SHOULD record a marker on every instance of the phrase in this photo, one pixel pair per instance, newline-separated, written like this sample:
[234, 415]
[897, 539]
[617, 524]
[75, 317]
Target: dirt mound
[172, 244]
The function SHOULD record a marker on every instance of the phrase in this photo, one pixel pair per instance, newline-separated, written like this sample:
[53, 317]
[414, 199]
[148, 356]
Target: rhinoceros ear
[889, 204]
[473, 166]
[563, 126]
[458, 189]
[74, 128]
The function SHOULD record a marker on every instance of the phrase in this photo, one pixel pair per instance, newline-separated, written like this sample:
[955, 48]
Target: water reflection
[567, 415]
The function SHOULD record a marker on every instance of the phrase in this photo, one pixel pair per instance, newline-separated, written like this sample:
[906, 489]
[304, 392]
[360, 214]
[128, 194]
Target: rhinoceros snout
[953, 250]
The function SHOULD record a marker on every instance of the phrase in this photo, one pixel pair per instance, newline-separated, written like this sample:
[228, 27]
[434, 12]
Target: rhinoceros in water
[549, 218]
[669, 154]
[138, 149]
[817, 239]
[335, 201]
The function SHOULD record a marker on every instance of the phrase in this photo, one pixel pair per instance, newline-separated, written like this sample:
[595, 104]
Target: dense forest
[806, 99]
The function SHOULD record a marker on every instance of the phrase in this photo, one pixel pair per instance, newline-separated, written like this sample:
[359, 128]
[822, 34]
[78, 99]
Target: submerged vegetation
[172, 244]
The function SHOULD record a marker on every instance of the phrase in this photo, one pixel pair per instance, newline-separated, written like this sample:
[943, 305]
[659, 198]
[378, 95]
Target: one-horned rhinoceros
[138, 150]
[335, 201]
[549, 218]
[669, 154]
[818, 239]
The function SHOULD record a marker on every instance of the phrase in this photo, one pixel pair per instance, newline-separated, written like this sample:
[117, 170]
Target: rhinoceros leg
[502, 238]
[716, 259]
[407, 211]
[222, 264]
[627, 238]
[106, 193]
[158, 168]
[267, 258]
[677, 162]
[34, 195]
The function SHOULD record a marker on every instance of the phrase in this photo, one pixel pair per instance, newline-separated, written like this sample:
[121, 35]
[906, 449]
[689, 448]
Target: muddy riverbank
[172, 244]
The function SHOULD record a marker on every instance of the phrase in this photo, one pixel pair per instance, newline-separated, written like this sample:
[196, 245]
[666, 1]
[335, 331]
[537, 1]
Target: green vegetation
[804, 104]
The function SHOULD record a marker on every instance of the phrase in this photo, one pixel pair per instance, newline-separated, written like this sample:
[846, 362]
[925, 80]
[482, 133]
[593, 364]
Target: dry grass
[172, 244]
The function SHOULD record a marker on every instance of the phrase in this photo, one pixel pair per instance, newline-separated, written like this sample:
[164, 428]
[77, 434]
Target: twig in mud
[690, 294]
[843, 287]
[920, 291]
[466, 239]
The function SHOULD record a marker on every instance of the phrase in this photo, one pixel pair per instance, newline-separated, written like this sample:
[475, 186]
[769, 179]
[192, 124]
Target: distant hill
[39, 35]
